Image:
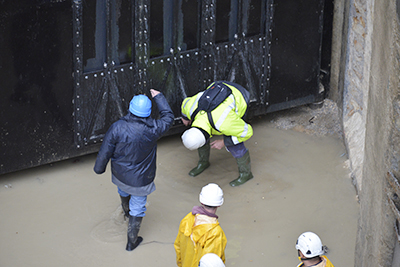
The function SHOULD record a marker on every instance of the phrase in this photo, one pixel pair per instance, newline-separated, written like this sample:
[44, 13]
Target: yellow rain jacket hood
[198, 235]
[324, 263]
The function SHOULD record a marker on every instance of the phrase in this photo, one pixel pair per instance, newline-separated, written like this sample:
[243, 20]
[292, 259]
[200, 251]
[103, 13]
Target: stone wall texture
[366, 73]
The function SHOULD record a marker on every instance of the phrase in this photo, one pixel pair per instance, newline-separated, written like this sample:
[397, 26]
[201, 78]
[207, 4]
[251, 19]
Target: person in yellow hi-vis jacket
[227, 120]
[199, 231]
[310, 249]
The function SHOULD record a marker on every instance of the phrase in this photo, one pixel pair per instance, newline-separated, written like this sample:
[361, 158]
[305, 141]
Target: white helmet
[310, 245]
[211, 260]
[193, 138]
[211, 195]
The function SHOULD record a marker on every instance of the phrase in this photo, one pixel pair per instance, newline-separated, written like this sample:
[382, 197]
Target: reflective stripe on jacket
[198, 235]
[227, 116]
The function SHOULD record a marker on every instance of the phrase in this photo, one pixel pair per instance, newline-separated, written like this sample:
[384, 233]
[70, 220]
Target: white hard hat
[193, 138]
[211, 260]
[310, 245]
[211, 195]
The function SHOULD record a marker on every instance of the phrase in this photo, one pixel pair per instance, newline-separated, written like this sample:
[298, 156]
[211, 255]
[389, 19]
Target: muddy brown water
[64, 214]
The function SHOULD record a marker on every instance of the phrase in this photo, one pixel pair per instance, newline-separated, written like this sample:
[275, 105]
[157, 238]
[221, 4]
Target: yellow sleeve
[177, 247]
[237, 128]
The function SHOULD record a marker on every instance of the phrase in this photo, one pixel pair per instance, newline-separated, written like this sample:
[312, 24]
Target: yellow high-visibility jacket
[227, 116]
[325, 263]
[198, 235]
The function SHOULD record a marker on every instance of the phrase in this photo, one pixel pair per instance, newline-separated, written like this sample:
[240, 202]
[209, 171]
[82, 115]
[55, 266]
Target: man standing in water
[131, 144]
[227, 120]
[199, 231]
[309, 248]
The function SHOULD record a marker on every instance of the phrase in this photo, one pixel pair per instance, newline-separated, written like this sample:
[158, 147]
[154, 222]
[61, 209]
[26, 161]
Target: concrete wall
[365, 84]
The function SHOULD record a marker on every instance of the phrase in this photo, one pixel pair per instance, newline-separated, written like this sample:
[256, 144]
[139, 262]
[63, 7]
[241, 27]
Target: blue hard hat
[140, 106]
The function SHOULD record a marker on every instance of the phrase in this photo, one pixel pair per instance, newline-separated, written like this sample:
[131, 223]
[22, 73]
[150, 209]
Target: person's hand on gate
[218, 144]
[154, 92]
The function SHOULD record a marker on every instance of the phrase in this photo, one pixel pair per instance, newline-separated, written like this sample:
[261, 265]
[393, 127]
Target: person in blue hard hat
[131, 144]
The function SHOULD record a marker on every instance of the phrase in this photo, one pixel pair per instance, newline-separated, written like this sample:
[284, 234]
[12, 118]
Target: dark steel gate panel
[70, 68]
[104, 83]
[296, 34]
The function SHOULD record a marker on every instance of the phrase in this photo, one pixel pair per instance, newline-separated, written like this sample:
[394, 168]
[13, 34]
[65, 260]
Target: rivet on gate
[168, 59]
[122, 69]
[181, 56]
[95, 75]
[77, 84]
[86, 77]
[152, 62]
[161, 61]
[187, 55]
[102, 74]
[130, 67]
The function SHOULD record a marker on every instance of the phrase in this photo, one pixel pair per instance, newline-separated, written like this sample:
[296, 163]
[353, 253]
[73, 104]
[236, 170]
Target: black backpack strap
[194, 114]
[210, 119]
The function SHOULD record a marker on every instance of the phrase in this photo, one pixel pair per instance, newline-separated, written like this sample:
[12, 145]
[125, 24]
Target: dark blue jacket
[131, 144]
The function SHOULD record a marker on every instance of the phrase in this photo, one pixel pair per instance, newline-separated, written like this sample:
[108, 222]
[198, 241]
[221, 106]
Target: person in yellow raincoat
[310, 249]
[199, 231]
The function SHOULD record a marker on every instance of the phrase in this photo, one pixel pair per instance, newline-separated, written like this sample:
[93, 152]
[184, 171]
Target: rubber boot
[244, 170]
[125, 205]
[204, 163]
[133, 229]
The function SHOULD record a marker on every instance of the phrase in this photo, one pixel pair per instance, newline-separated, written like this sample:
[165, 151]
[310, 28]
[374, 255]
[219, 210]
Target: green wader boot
[204, 163]
[244, 170]
[125, 205]
[133, 230]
